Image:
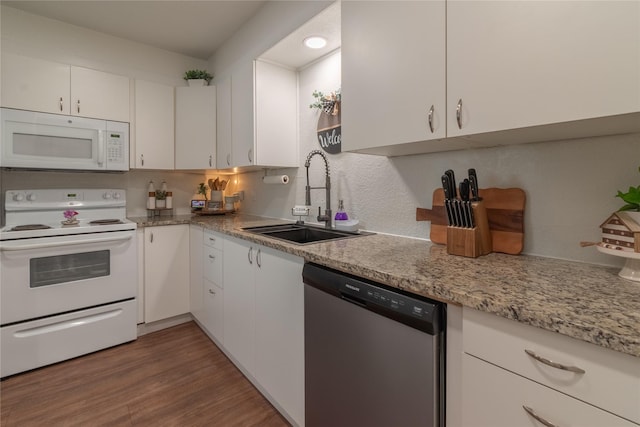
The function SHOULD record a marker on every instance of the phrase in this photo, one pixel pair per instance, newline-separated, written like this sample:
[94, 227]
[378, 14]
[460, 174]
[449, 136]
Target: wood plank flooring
[173, 377]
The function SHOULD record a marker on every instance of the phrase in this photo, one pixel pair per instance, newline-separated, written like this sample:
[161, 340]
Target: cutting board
[505, 210]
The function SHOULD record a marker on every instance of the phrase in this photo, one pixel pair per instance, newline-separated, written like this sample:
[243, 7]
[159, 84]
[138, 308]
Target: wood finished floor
[173, 377]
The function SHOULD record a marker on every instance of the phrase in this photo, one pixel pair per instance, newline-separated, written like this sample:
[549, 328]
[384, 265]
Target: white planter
[161, 203]
[197, 82]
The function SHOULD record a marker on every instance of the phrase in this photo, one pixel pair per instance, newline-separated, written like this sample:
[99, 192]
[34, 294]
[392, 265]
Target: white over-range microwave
[50, 141]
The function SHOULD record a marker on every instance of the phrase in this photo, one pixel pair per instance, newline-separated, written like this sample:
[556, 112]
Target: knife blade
[473, 182]
[455, 205]
[446, 187]
[464, 196]
[468, 210]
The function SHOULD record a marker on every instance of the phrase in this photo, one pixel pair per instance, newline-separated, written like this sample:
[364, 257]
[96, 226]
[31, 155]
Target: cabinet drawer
[213, 306]
[611, 380]
[213, 265]
[494, 397]
[213, 240]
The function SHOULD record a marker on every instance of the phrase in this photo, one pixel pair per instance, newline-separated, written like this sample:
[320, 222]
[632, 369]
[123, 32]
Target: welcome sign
[329, 130]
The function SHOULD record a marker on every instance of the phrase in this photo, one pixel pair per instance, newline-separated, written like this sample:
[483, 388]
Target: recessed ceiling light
[315, 42]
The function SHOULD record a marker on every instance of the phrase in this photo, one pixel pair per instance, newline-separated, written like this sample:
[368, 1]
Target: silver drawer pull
[538, 417]
[431, 119]
[212, 257]
[555, 364]
[211, 292]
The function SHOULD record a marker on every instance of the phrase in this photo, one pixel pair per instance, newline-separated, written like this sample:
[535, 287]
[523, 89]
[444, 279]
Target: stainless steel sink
[302, 234]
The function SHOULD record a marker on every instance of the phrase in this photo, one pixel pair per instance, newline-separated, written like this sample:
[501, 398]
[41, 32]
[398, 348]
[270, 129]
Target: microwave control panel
[117, 146]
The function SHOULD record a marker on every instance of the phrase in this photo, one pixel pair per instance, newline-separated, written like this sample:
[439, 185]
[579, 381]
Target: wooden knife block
[471, 242]
[504, 209]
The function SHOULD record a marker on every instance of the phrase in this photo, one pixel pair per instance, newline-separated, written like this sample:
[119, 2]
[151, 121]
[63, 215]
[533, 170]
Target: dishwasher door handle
[354, 300]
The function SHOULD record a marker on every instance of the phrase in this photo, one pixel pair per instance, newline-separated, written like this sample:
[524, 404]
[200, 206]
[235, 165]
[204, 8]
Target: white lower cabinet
[213, 284]
[508, 366]
[495, 397]
[166, 272]
[196, 301]
[264, 320]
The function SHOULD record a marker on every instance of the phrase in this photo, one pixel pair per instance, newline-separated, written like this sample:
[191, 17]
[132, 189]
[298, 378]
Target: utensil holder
[471, 242]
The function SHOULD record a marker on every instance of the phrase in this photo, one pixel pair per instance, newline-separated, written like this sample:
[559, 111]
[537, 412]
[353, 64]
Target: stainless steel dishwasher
[373, 355]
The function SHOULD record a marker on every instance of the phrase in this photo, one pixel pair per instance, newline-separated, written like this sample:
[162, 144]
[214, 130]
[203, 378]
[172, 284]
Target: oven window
[51, 270]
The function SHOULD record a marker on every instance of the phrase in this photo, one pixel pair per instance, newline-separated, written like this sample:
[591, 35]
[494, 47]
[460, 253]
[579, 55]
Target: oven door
[50, 275]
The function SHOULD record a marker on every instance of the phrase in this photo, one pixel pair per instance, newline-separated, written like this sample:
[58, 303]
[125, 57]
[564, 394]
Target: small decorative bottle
[151, 200]
[341, 215]
[169, 203]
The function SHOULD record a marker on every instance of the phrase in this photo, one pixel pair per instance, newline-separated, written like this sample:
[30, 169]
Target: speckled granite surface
[584, 301]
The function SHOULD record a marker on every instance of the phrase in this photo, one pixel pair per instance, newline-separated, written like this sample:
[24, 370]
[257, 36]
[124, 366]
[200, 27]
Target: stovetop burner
[27, 227]
[106, 221]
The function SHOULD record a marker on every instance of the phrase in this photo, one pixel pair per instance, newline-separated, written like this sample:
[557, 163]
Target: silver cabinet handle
[538, 417]
[459, 113]
[210, 160]
[141, 159]
[78, 105]
[250, 155]
[61, 106]
[250, 255]
[212, 257]
[258, 259]
[431, 119]
[212, 239]
[229, 159]
[151, 237]
[212, 292]
[554, 364]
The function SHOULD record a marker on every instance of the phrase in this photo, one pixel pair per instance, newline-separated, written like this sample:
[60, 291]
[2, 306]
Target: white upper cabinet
[224, 143]
[98, 94]
[393, 73]
[516, 71]
[516, 64]
[40, 85]
[154, 126]
[196, 127]
[263, 116]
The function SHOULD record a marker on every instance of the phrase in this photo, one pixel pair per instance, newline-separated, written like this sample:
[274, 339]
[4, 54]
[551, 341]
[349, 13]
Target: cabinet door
[393, 72]
[196, 127]
[154, 126]
[224, 141]
[196, 296]
[166, 271]
[242, 109]
[516, 64]
[214, 307]
[276, 106]
[279, 364]
[494, 397]
[239, 301]
[35, 84]
[99, 95]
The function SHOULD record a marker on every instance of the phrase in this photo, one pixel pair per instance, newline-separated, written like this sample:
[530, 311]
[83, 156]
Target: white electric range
[67, 286]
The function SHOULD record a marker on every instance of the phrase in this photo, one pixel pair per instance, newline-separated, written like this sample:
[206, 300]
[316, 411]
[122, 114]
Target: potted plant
[197, 77]
[631, 198]
[202, 189]
[161, 199]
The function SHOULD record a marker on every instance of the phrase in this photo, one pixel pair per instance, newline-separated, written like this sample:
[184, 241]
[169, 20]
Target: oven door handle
[22, 247]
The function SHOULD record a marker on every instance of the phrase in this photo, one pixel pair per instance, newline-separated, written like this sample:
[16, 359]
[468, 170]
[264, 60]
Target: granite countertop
[588, 302]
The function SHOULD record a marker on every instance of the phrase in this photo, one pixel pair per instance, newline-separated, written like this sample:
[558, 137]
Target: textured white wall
[570, 185]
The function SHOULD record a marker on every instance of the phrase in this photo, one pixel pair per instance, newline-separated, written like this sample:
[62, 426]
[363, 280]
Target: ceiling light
[315, 42]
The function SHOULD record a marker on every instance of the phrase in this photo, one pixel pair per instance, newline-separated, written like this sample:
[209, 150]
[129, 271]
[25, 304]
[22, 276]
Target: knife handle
[473, 183]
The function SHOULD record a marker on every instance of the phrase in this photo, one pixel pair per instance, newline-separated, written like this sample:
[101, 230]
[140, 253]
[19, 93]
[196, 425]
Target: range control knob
[116, 195]
[18, 197]
[106, 196]
[31, 197]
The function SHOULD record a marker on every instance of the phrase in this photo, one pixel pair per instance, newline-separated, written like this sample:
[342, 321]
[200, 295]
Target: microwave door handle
[101, 150]
[23, 247]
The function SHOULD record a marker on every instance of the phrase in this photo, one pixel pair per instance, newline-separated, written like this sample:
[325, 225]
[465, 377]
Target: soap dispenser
[341, 215]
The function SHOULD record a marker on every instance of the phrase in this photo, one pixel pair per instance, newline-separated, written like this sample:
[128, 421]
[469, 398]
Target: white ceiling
[192, 28]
